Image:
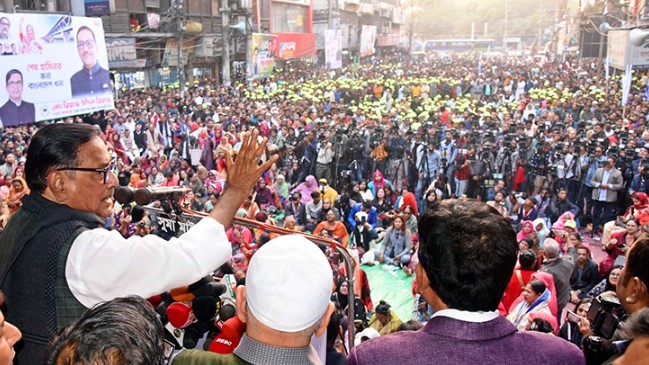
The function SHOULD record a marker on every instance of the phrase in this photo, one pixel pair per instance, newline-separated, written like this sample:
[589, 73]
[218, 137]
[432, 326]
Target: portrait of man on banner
[16, 110]
[92, 79]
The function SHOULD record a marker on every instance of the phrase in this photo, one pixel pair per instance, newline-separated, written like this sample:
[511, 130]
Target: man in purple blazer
[467, 255]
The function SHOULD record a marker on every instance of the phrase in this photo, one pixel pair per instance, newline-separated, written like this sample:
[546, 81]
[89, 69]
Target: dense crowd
[363, 151]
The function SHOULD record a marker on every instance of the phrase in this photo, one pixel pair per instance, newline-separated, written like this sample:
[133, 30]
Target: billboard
[621, 52]
[52, 66]
[618, 44]
[99, 7]
[368, 39]
[121, 52]
[294, 45]
[334, 48]
[263, 55]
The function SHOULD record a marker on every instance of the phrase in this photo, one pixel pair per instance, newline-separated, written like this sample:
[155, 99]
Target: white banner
[52, 66]
[368, 40]
[334, 48]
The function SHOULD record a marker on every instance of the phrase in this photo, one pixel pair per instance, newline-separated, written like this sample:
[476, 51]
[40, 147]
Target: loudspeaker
[638, 37]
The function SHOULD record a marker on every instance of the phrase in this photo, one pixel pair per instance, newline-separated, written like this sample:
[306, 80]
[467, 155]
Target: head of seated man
[118, 332]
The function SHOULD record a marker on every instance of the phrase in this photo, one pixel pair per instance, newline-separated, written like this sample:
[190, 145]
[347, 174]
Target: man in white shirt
[56, 260]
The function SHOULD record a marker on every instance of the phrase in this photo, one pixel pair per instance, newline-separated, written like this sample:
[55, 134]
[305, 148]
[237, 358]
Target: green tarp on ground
[394, 287]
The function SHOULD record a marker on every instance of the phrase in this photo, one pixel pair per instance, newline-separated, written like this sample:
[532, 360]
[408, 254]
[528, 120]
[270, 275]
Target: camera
[604, 314]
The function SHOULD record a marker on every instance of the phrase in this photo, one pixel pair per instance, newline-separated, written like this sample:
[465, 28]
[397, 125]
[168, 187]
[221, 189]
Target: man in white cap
[284, 303]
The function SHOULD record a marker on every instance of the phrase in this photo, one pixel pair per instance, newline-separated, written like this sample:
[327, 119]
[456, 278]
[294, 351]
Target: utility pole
[246, 6]
[225, 53]
[506, 35]
[180, 18]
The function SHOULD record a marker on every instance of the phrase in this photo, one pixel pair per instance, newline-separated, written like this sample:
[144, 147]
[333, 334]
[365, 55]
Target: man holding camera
[633, 294]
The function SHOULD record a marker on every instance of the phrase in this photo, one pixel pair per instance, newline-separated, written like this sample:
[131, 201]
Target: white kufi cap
[288, 284]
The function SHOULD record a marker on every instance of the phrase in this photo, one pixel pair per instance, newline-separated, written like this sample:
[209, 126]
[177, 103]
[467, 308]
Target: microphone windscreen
[155, 300]
[180, 314]
[227, 311]
[123, 194]
[182, 294]
[229, 339]
[143, 196]
[204, 308]
[137, 213]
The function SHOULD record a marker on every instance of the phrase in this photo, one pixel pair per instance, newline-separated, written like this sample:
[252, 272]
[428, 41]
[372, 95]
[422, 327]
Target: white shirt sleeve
[102, 265]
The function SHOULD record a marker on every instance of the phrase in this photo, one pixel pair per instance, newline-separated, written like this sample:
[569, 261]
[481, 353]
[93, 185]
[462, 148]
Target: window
[289, 18]
[194, 7]
[215, 7]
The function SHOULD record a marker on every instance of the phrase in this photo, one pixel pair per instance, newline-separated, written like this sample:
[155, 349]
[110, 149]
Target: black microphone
[204, 308]
[123, 194]
[145, 196]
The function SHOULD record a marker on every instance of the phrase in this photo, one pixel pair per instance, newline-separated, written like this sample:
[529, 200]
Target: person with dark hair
[118, 332]
[559, 205]
[467, 254]
[334, 338]
[92, 79]
[609, 283]
[384, 320]
[633, 292]
[570, 329]
[520, 277]
[365, 207]
[16, 110]
[584, 277]
[536, 299]
[56, 260]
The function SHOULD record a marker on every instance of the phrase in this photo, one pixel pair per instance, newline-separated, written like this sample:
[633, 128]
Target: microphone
[145, 196]
[229, 338]
[204, 308]
[123, 194]
[180, 314]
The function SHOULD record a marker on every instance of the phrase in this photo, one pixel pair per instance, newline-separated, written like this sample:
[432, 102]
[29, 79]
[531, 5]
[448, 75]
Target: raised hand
[242, 176]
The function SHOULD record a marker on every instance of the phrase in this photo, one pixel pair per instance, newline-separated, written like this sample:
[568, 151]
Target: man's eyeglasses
[110, 169]
[89, 44]
[15, 83]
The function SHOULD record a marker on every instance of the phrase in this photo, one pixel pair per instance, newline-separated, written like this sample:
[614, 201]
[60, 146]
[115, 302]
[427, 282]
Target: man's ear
[57, 184]
[241, 303]
[325, 320]
[422, 279]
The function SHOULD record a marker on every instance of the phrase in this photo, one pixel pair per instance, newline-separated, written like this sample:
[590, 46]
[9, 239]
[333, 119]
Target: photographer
[640, 181]
[507, 159]
[633, 293]
[397, 165]
[477, 169]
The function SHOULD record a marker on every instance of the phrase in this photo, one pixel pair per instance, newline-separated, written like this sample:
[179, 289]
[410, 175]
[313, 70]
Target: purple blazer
[449, 341]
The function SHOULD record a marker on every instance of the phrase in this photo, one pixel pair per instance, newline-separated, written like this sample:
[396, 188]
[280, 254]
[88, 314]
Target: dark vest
[33, 252]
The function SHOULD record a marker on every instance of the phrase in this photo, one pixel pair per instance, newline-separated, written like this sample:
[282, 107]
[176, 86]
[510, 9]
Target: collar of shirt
[256, 352]
[18, 103]
[467, 316]
[93, 70]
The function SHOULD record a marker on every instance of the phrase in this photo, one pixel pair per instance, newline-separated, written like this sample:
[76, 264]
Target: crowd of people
[359, 155]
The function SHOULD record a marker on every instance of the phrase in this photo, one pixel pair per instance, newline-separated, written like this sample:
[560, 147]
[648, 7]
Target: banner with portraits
[263, 55]
[52, 66]
[334, 48]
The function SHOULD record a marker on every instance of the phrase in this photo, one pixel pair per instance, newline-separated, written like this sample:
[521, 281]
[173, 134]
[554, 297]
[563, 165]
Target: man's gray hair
[551, 248]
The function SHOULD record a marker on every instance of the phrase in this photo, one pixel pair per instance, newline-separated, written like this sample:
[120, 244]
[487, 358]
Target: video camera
[604, 315]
